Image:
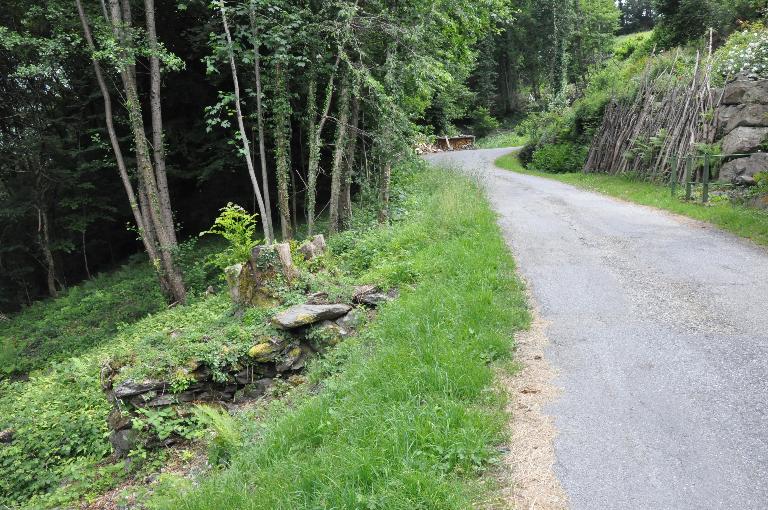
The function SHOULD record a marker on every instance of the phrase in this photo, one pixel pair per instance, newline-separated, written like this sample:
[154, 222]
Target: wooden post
[705, 180]
[688, 166]
[673, 175]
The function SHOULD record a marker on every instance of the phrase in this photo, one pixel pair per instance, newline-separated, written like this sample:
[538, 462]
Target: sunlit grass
[409, 419]
[740, 220]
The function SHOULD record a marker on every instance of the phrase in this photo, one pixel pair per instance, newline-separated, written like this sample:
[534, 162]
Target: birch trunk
[147, 241]
[260, 120]
[340, 148]
[282, 152]
[241, 125]
[157, 122]
[345, 198]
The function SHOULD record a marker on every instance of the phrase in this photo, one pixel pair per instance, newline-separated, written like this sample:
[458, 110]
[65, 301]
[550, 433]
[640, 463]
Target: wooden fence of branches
[670, 118]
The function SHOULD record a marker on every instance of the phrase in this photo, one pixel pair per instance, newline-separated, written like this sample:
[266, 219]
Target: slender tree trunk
[345, 198]
[337, 172]
[121, 167]
[157, 122]
[44, 240]
[157, 216]
[315, 139]
[85, 255]
[241, 125]
[260, 118]
[386, 174]
[282, 112]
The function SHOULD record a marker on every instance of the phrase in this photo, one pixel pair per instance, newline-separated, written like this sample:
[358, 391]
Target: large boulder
[744, 115]
[744, 140]
[313, 248]
[746, 91]
[131, 388]
[743, 170]
[304, 315]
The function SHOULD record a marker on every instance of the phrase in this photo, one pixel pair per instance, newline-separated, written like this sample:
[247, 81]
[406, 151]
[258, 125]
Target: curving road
[658, 328]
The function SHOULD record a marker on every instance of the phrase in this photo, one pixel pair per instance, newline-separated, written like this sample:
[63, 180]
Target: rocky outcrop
[370, 295]
[251, 283]
[745, 91]
[742, 170]
[303, 315]
[743, 140]
[742, 122]
[313, 248]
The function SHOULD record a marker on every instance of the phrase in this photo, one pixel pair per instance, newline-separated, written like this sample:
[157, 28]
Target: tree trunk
[157, 215]
[241, 125]
[345, 198]
[157, 123]
[44, 239]
[282, 112]
[260, 120]
[147, 239]
[340, 148]
[386, 173]
[315, 139]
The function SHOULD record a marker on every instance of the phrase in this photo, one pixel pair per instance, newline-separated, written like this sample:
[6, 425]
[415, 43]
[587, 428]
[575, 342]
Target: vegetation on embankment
[406, 416]
[400, 416]
[740, 220]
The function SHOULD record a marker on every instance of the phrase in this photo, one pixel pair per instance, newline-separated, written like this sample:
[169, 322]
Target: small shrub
[483, 123]
[227, 436]
[239, 228]
[526, 153]
[559, 158]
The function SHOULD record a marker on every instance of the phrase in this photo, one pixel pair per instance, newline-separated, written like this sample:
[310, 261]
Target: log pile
[652, 134]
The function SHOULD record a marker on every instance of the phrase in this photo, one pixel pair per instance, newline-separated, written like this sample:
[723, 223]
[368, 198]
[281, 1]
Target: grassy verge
[406, 417]
[502, 139]
[742, 221]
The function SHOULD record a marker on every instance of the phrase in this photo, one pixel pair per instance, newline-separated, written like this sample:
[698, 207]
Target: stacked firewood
[668, 119]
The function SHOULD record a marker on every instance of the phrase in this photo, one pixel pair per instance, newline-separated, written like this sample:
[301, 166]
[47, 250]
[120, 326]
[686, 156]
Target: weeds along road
[658, 330]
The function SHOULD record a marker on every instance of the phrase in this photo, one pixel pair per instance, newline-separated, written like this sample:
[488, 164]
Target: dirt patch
[525, 477]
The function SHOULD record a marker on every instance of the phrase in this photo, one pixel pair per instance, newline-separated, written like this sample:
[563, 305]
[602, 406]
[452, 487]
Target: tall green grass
[740, 220]
[406, 417]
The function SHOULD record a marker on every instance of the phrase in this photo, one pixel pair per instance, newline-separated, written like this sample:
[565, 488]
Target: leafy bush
[483, 122]
[559, 158]
[745, 52]
[239, 228]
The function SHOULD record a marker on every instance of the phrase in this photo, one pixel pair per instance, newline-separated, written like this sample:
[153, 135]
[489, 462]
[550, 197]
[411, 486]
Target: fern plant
[238, 227]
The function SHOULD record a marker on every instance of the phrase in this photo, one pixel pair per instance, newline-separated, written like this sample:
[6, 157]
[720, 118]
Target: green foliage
[746, 52]
[559, 158]
[239, 229]
[684, 21]
[743, 221]
[227, 436]
[84, 317]
[409, 418]
[165, 422]
[482, 122]
[500, 139]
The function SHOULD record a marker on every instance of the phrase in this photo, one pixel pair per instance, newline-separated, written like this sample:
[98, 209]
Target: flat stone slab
[304, 315]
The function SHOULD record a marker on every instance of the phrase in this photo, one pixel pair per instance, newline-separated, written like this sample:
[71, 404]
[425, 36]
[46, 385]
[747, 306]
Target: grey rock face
[742, 170]
[123, 441]
[746, 91]
[314, 247]
[304, 315]
[745, 115]
[744, 140]
[130, 388]
[370, 295]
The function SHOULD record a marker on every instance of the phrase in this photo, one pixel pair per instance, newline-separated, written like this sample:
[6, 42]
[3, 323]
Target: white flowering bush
[745, 52]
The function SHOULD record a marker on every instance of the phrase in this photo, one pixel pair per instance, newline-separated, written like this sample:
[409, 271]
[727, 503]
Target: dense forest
[126, 126]
[136, 133]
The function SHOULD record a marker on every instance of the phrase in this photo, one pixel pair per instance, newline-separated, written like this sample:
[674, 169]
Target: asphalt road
[658, 328]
